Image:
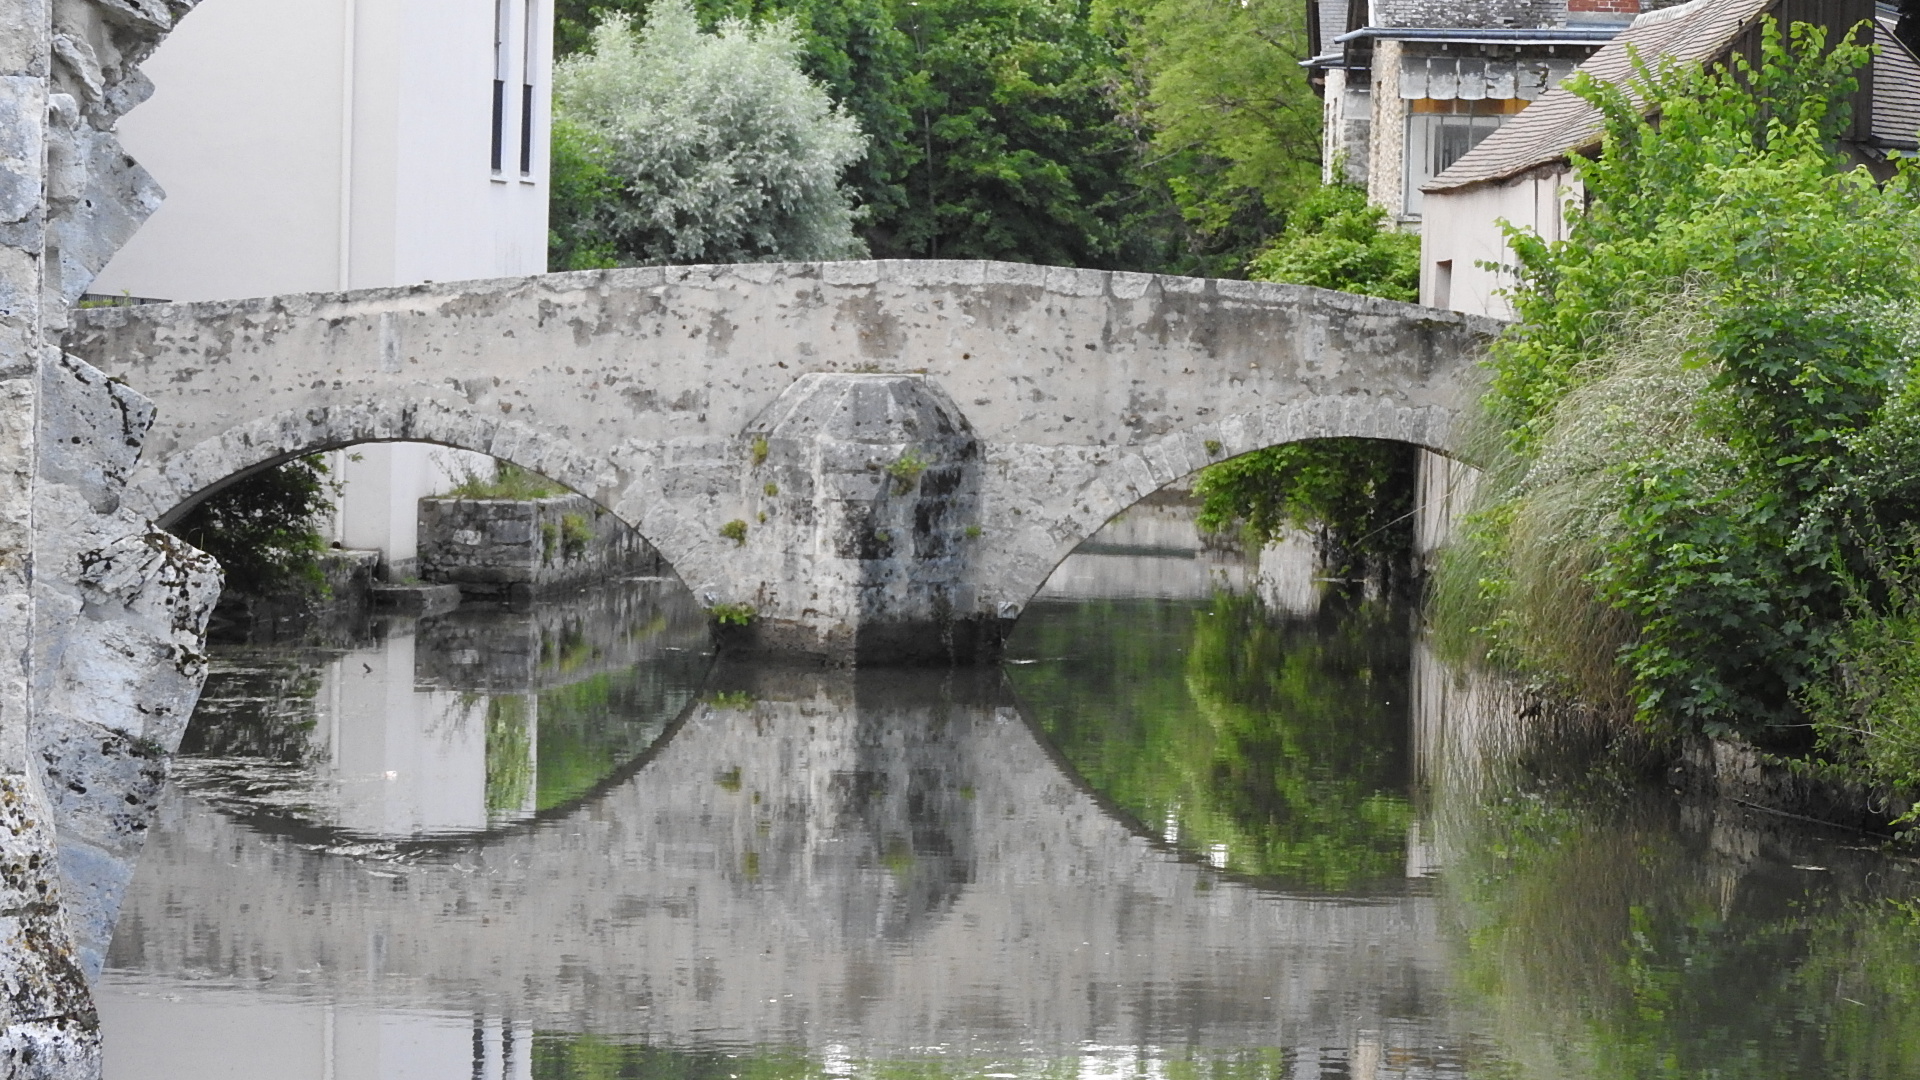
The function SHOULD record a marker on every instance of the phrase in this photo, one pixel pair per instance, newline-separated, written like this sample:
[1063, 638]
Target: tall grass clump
[1701, 497]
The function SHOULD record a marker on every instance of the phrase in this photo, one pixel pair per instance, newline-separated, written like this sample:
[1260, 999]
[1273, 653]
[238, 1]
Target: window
[1440, 133]
[529, 37]
[500, 65]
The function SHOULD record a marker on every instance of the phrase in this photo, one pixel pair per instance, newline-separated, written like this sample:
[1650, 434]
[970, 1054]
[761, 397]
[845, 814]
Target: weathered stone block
[490, 546]
[858, 550]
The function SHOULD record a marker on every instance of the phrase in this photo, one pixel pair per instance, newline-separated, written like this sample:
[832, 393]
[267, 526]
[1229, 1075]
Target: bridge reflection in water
[404, 859]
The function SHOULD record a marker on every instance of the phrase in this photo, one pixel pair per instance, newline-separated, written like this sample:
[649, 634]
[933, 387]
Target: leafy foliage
[1229, 131]
[1021, 156]
[1334, 240]
[262, 528]
[1355, 494]
[1682, 426]
[1136, 134]
[721, 148]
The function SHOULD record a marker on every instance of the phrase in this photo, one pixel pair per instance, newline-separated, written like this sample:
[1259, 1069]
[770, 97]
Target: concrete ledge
[420, 600]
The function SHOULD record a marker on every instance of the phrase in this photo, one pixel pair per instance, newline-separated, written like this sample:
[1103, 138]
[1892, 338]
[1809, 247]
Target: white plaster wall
[313, 145]
[243, 132]
[1464, 228]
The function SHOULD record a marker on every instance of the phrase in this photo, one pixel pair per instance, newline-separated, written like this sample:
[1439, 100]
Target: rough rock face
[101, 617]
[120, 617]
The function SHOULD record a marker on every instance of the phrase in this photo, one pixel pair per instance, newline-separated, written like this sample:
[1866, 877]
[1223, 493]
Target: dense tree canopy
[1166, 135]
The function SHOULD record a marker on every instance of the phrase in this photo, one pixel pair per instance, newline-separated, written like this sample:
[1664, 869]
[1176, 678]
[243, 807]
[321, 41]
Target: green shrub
[1334, 240]
[906, 470]
[732, 614]
[576, 532]
[263, 528]
[509, 481]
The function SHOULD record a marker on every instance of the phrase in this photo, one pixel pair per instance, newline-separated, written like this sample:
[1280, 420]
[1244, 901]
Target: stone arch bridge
[870, 462]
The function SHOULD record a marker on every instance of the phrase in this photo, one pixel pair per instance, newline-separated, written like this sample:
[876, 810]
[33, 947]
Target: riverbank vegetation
[1702, 496]
[264, 529]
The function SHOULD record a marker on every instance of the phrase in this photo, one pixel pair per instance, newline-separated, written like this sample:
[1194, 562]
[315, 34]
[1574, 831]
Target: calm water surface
[1180, 833]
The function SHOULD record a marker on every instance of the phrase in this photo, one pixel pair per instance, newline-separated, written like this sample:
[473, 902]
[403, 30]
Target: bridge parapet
[647, 389]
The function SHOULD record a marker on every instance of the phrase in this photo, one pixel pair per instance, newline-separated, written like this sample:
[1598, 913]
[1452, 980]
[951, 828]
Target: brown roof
[1560, 123]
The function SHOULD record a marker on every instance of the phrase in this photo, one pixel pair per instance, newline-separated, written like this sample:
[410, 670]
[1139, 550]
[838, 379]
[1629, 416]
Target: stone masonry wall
[101, 616]
[523, 547]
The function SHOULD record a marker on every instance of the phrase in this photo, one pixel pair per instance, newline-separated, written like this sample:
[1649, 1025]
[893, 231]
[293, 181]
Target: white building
[316, 145]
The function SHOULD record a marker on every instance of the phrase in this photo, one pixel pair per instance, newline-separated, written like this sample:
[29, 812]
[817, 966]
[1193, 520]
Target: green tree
[1231, 131]
[1020, 153]
[263, 528]
[1334, 240]
[851, 47]
[721, 147]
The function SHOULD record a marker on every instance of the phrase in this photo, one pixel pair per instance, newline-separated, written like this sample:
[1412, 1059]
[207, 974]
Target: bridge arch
[165, 490]
[1114, 485]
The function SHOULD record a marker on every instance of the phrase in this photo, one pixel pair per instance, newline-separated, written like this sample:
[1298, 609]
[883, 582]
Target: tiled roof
[1561, 123]
[1333, 22]
[1896, 90]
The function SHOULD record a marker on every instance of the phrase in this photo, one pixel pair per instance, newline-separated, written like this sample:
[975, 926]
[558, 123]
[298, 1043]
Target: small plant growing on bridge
[906, 470]
[509, 481]
[735, 530]
[731, 699]
[1213, 447]
[771, 489]
[972, 532]
[732, 614]
[576, 532]
[549, 540]
[759, 450]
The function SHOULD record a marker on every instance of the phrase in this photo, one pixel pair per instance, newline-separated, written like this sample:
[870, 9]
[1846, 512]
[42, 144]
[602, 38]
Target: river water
[1196, 826]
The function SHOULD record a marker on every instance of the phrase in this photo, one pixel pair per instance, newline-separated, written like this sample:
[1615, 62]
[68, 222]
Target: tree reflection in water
[1601, 929]
[1272, 746]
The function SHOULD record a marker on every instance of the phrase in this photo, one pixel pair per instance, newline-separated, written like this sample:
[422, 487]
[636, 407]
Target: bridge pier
[864, 495]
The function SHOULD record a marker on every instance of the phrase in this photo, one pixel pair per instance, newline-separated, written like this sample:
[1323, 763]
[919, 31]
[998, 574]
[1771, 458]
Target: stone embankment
[516, 549]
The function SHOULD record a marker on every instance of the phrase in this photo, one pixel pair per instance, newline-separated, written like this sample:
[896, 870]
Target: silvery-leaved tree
[678, 146]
